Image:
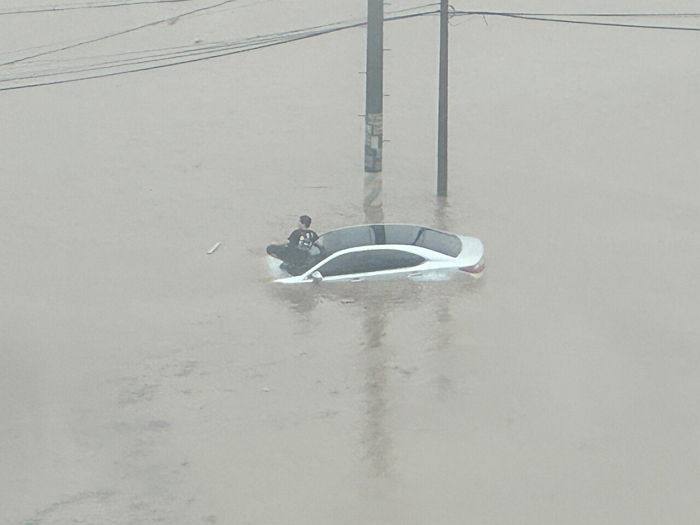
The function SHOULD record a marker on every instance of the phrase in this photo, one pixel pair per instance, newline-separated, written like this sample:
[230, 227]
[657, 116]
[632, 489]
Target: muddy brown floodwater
[146, 381]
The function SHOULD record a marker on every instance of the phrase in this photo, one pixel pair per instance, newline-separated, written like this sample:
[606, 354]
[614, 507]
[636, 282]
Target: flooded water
[144, 380]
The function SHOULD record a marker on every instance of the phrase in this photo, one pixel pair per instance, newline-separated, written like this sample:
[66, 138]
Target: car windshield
[373, 234]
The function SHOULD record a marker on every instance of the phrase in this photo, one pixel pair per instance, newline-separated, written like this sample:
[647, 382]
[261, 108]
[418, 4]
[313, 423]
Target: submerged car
[384, 251]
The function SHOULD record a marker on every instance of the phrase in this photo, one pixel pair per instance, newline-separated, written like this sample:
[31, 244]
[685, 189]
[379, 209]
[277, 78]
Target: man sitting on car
[295, 253]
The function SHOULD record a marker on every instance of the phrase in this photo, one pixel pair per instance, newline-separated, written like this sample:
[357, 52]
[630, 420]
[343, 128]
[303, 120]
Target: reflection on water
[376, 301]
[374, 214]
[393, 295]
[441, 214]
[443, 336]
[377, 438]
[302, 298]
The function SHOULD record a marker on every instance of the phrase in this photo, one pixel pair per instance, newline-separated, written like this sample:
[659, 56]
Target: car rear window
[369, 261]
[445, 243]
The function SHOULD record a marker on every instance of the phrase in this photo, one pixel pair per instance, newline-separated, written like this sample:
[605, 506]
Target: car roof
[390, 234]
[406, 248]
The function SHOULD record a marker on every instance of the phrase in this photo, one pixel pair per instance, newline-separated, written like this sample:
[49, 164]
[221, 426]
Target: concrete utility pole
[442, 105]
[374, 96]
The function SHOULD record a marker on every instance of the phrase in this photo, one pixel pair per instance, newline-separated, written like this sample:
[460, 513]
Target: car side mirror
[316, 276]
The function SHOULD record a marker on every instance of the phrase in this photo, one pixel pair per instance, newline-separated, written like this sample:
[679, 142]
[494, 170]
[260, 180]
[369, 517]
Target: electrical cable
[172, 52]
[544, 18]
[32, 10]
[119, 33]
[187, 54]
[167, 54]
[293, 38]
[582, 15]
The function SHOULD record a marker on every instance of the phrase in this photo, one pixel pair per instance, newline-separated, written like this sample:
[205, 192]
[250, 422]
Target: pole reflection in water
[442, 337]
[374, 214]
[376, 439]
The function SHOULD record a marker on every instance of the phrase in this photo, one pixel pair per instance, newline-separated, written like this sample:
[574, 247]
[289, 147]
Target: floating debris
[214, 248]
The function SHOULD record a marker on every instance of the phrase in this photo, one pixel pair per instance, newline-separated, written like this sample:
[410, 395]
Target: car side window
[369, 261]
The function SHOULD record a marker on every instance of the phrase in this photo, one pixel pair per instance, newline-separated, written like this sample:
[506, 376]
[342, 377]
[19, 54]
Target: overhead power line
[98, 5]
[161, 55]
[581, 15]
[549, 17]
[167, 57]
[119, 33]
[228, 49]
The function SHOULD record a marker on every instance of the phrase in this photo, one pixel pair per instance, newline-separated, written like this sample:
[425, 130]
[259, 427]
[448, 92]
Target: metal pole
[442, 105]
[373, 102]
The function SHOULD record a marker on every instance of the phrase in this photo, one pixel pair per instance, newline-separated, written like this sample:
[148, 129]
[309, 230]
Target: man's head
[305, 221]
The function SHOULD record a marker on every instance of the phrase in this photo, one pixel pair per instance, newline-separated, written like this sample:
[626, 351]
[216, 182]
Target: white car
[382, 251]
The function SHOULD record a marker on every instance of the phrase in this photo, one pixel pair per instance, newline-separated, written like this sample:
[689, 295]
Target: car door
[369, 264]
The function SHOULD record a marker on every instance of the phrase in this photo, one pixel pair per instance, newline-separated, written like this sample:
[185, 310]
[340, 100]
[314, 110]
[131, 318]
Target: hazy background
[146, 381]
